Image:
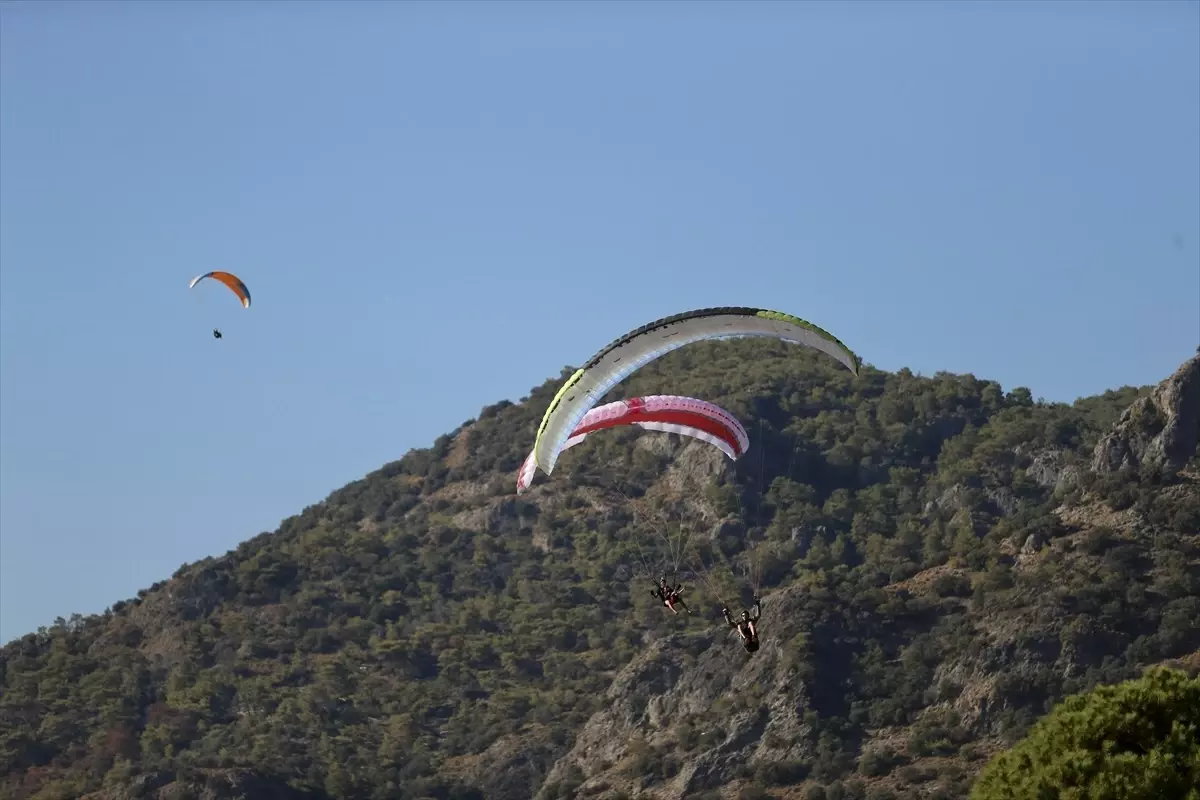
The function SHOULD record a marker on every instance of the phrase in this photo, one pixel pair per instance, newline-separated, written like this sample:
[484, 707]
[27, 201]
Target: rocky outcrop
[733, 709]
[952, 500]
[1049, 468]
[1157, 431]
[1002, 499]
[507, 768]
[693, 464]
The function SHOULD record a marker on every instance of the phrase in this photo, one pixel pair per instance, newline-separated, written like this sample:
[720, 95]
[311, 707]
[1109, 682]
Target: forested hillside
[940, 560]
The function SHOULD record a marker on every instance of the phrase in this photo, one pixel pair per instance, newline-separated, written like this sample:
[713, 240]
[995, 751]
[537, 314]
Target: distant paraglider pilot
[670, 596]
[232, 282]
[747, 626]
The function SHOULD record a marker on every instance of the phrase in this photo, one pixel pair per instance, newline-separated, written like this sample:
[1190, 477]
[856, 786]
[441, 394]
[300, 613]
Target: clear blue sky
[437, 206]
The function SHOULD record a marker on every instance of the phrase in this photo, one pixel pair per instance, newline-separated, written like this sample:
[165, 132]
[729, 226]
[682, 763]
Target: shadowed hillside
[940, 561]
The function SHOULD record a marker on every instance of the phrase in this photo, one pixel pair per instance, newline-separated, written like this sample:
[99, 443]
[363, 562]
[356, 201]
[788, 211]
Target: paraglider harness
[669, 595]
[746, 626]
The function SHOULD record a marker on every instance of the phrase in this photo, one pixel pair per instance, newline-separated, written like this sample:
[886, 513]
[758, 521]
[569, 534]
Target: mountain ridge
[940, 560]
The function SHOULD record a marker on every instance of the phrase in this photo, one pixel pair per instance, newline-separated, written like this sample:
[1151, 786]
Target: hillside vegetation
[940, 562]
[1137, 740]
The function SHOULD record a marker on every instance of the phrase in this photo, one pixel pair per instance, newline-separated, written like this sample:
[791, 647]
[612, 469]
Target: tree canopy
[1137, 740]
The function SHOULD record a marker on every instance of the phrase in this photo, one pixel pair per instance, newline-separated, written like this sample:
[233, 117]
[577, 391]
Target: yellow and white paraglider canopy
[639, 347]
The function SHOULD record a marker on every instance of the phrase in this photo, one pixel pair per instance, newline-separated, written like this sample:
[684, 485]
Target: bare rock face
[739, 709]
[1049, 467]
[951, 500]
[696, 464]
[1159, 430]
[1003, 500]
[507, 768]
[605, 738]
